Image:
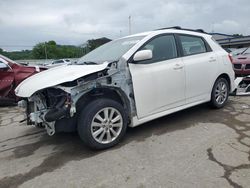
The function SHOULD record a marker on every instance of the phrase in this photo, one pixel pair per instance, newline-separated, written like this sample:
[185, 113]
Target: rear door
[158, 83]
[200, 67]
[6, 79]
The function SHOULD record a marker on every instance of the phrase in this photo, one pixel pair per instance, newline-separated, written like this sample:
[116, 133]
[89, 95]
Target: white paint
[143, 55]
[160, 90]
[55, 76]
[158, 86]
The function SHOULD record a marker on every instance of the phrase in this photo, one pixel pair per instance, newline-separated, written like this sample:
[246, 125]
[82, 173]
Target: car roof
[170, 30]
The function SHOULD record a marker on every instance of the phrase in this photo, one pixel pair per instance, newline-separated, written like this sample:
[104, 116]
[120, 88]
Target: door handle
[212, 59]
[178, 67]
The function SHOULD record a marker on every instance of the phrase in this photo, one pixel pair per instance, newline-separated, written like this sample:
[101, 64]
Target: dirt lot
[198, 147]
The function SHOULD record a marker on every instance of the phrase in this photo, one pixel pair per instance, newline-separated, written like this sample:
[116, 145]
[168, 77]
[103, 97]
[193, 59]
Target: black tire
[214, 103]
[88, 114]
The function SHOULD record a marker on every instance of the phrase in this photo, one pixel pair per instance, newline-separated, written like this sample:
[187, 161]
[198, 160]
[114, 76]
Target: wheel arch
[105, 92]
[226, 76]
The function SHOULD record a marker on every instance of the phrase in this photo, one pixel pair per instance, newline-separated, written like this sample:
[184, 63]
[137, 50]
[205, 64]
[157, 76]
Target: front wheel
[102, 123]
[220, 92]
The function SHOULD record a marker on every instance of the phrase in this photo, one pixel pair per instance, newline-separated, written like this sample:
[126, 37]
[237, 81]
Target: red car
[241, 63]
[11, 74]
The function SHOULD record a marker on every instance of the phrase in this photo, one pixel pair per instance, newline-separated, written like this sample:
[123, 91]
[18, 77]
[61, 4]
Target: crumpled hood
[55, 76]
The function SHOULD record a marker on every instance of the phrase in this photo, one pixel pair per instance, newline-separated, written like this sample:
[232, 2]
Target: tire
[220, 92]
[102, 123]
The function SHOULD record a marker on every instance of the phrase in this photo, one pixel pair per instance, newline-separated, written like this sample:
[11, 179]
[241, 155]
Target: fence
[41, 61]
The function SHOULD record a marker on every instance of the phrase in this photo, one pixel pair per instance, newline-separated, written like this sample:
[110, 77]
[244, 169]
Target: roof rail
[179, 28]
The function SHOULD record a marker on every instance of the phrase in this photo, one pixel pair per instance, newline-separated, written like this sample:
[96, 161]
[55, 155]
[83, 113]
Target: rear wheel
[102, 123]
[220, 93]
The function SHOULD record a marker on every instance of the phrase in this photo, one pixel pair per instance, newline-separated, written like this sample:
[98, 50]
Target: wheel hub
[106, 125]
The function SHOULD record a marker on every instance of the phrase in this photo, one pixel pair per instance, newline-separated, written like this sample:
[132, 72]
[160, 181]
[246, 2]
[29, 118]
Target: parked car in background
[127, 82]
[58, 62]
[236, 51]
[241, 63]
[11, 74]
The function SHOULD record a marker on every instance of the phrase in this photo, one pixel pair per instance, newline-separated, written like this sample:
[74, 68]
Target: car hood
[241, 59]
[55, 76]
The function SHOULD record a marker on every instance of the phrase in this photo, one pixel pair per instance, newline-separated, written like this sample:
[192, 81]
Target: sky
[24, 23]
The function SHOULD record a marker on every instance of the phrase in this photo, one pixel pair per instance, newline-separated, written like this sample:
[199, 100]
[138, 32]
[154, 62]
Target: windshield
[246, 51]
[238, 51]
[111, 51]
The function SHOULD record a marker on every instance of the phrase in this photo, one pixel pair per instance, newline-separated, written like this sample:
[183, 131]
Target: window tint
[192, 45]
[162, 47]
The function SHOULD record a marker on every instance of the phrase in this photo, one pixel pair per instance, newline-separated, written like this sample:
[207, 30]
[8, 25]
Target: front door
[158, 83]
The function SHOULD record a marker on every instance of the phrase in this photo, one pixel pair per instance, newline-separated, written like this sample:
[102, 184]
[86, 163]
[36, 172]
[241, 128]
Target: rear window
[192, 45]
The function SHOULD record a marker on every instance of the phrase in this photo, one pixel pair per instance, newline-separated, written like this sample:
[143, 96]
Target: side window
[163, 48]
[3, 65]
[192, 45]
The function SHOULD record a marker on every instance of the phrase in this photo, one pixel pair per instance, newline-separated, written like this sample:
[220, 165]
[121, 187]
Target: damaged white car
[127, 82]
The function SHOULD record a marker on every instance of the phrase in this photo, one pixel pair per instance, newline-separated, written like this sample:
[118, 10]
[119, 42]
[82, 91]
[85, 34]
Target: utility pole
[212, 28]
[129, 24]
[45, 50]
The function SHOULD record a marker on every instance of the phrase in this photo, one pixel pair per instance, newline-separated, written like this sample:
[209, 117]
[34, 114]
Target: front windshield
[238, 51]
[111, 51]
[246, 51]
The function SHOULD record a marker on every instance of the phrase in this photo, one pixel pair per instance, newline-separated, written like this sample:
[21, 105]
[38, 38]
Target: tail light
[230, 57]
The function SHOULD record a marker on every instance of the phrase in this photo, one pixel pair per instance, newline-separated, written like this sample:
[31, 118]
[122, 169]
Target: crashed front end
[45, 107]
[50, 97]
[54, 106]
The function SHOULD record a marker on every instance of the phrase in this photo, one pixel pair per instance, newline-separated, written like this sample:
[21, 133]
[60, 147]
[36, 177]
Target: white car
[127, 82]
[58, 62]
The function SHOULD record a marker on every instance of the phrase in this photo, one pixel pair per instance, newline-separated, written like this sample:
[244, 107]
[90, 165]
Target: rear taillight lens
[230, 57]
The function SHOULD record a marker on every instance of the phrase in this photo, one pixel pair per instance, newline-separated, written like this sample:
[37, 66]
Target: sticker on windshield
[130, 42]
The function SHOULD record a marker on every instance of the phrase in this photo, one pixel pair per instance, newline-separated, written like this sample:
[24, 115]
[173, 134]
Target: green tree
[54, 51]
[38, 51]
[94, 43]
[45, 50]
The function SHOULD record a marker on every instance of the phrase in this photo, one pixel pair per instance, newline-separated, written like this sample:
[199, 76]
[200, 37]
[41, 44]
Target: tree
[38, 51]
[53, 51]
[45, 50]
[94, 43]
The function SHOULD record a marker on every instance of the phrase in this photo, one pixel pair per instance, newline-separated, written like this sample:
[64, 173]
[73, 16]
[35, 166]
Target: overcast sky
[23, 23]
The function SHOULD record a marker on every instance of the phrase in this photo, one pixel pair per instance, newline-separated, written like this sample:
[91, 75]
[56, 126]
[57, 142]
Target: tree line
[52, 50]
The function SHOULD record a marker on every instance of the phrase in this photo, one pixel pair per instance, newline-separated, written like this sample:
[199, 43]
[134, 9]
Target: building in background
[231, 41]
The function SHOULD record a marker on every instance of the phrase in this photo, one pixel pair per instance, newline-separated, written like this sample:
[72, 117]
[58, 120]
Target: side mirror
[3, 66]
[143, 55]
